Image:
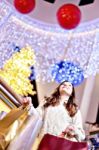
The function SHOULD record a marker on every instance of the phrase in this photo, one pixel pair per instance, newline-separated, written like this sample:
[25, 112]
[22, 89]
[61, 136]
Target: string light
[67, 71]
[49, 42]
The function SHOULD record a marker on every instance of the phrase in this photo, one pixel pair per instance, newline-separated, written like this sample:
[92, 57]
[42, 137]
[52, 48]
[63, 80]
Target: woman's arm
[39, 111]
[79, 132]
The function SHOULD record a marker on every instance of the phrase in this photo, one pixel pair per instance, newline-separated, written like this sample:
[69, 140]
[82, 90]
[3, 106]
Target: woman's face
[66, 87]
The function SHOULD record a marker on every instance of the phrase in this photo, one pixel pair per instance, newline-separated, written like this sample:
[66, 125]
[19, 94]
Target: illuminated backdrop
[51, 43]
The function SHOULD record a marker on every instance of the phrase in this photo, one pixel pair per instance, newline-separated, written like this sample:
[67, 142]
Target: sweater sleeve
[78, 126]
[39, 111]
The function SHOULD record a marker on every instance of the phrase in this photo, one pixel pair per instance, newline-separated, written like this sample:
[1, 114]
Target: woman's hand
[62, 135]
[69, 132]
[26, 101]
[70, 135]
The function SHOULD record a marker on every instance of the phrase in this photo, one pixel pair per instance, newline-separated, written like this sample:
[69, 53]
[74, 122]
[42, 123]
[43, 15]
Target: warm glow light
[17, 70]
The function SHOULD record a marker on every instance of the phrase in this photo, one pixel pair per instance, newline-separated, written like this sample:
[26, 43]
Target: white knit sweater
[57, 119]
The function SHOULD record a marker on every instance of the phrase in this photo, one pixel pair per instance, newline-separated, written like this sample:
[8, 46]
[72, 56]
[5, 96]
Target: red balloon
[24, 6]
[69, 16]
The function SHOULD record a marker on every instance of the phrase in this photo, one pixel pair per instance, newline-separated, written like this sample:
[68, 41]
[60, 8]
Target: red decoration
[24, 6]
[52, 142]
[69, 16]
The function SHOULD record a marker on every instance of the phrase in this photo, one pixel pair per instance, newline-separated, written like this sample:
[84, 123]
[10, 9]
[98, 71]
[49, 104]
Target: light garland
[51, 43]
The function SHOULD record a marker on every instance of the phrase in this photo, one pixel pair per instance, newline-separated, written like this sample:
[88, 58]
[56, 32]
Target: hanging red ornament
[24, 6]
[69, 16]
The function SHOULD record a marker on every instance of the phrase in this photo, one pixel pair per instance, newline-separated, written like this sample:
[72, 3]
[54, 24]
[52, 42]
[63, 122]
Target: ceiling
[46, 12]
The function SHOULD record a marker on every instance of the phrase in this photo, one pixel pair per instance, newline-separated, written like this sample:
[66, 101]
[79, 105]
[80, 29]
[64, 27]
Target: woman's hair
[54, 100]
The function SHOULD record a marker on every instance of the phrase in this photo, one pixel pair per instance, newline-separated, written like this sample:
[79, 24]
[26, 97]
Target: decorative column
[86, 98]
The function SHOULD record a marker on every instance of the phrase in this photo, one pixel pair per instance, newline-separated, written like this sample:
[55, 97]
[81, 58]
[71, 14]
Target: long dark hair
[54, 100]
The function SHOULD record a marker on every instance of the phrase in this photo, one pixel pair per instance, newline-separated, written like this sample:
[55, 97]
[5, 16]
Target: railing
[8, 96]
[28, 126]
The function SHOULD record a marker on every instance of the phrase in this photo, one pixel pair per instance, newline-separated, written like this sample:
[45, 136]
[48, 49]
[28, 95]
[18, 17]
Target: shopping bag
[2, 142]
[25, 138]
[51, 142]
[7, 125]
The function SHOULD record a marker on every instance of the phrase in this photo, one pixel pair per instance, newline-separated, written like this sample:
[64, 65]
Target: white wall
[86, 97]
[93, 106]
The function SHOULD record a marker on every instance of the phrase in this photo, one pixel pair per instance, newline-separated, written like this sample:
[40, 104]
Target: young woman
[60, 114]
